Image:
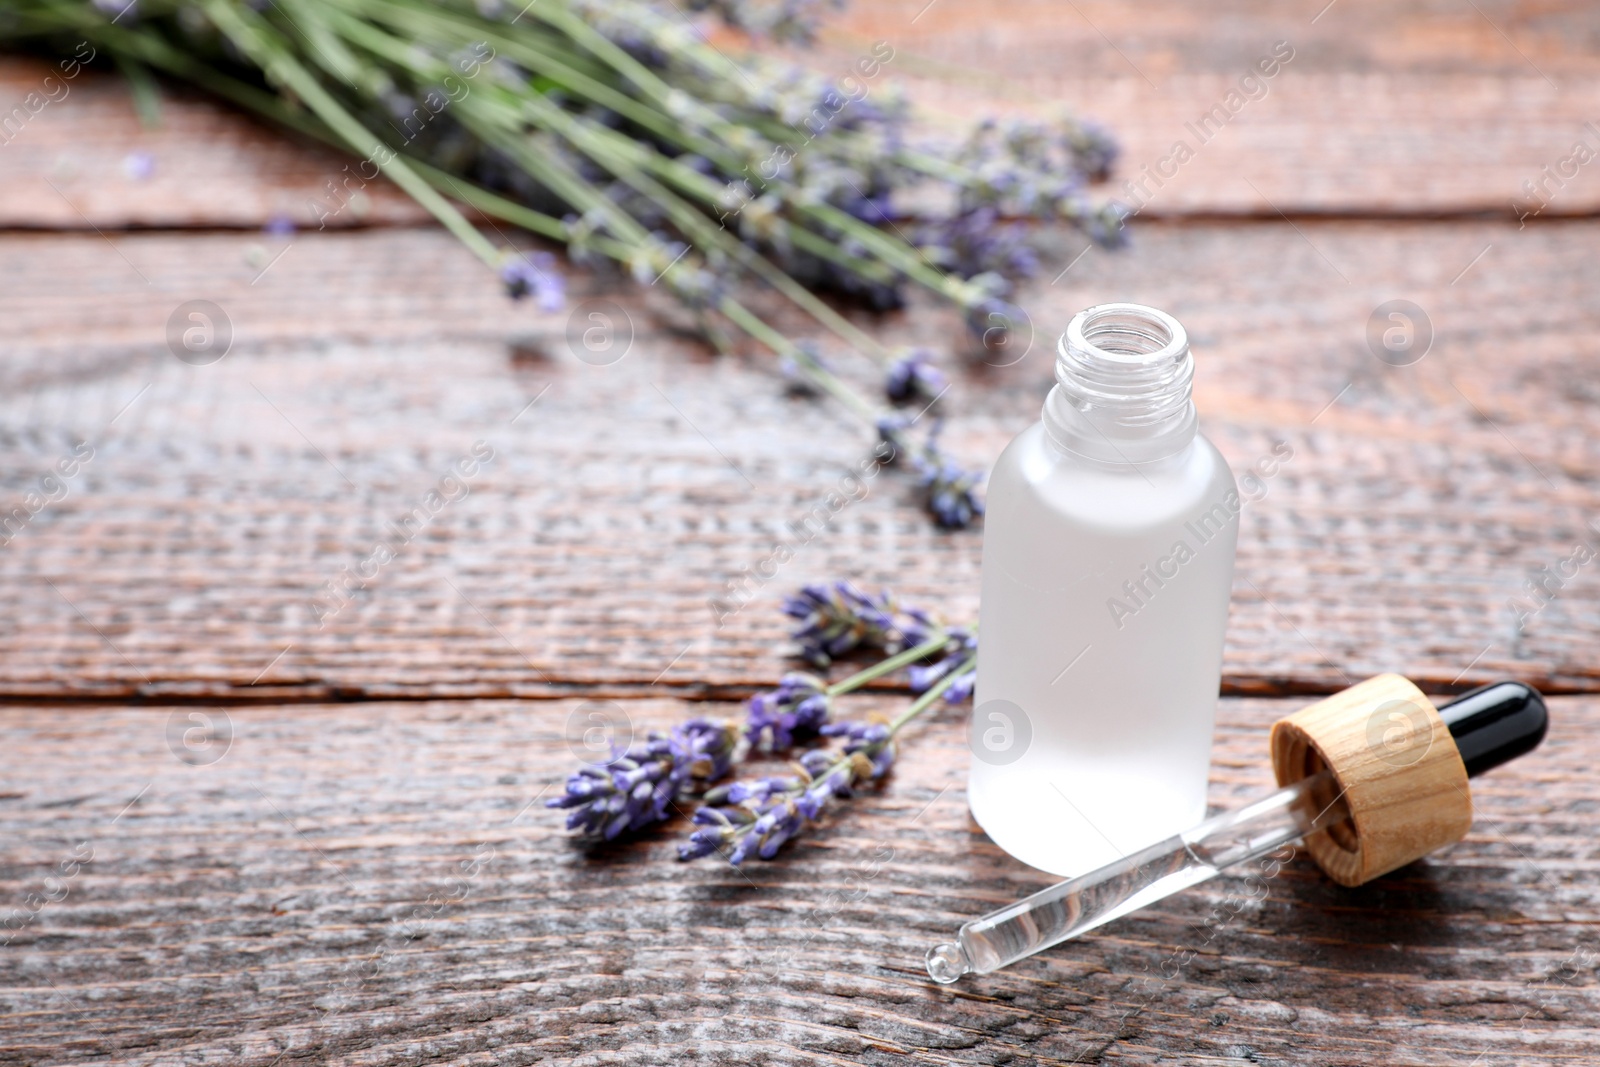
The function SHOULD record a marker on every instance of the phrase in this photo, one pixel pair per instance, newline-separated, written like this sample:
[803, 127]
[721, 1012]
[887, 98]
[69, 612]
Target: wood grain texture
[186, 557]
[80, 162]
[311, 897]
[377, 883]
[1412, 108]
[1415, 108]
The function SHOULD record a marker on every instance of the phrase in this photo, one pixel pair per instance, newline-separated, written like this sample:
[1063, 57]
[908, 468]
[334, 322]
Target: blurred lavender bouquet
[616, 128]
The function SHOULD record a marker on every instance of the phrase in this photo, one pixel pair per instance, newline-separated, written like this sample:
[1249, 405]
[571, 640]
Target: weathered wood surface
[188, 553]
[310, 898]
[1383, 109]
[79, 157]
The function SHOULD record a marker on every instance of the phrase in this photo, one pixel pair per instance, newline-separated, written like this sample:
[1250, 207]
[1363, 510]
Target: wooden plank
[1380, 109]
[83, 160]
[188, 555]
[1383, 109]
[312, 895]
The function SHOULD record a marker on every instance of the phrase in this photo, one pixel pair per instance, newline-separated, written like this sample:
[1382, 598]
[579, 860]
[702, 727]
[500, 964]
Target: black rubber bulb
[1496, 723]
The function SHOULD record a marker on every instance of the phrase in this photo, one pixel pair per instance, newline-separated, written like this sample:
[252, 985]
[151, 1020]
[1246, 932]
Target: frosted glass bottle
[1107, 564]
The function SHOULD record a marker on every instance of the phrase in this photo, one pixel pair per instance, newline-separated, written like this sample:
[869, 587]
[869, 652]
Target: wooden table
[367, 874]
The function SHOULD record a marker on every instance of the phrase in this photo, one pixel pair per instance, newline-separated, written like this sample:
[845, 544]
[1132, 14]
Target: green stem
[923, 702]
[750, 324]
[558, 68]
[251, 34]
[146, 94]
[893, 663]
[892, 253]
[696, 226]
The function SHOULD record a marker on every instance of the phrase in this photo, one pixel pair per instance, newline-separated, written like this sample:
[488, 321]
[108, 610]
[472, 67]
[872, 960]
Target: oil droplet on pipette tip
[947, 962]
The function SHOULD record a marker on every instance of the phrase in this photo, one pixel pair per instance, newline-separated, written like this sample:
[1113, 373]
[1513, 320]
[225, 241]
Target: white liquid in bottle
[1107, 564]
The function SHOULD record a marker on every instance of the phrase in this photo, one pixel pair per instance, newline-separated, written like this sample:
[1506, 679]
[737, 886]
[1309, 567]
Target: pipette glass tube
[1490, 725]
[1075, 907]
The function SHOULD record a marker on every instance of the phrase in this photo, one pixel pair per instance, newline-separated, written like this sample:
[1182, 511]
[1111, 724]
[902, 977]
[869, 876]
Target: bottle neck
[1124, 378]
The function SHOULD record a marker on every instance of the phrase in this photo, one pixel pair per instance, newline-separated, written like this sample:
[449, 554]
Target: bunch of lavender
[637, 787]
[617, 129]
[756, 817]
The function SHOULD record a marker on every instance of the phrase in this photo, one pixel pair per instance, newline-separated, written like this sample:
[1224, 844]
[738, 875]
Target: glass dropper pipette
[1490, 725]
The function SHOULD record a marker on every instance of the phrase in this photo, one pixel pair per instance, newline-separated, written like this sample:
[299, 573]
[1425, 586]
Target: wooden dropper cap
[1401, 766]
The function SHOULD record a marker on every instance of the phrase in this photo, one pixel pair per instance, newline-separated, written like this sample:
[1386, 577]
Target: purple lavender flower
[538, 276]
[279, 225]
[797, 378]
[792, 21]
[976, 241]
[957, 651]
[837, 619]
[636, 788]
[950, 490]
[892, 431]
[1107, 225]
[914, 377]
[757, 818]
[871, 739]
[138, 165]
[799, 705]
[1093, 149]
[992, 320]
[877, 208]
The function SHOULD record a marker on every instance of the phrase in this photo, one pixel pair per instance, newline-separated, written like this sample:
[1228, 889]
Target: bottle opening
[1124, 377]
[1119, 331]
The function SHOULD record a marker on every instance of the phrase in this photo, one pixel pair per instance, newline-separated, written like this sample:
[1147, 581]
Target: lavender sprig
[802, 703]
[793, 21]
[949, 490]
[838, 619]
[757, 818]
[637, 787]
[799, 705]
[913, 377]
